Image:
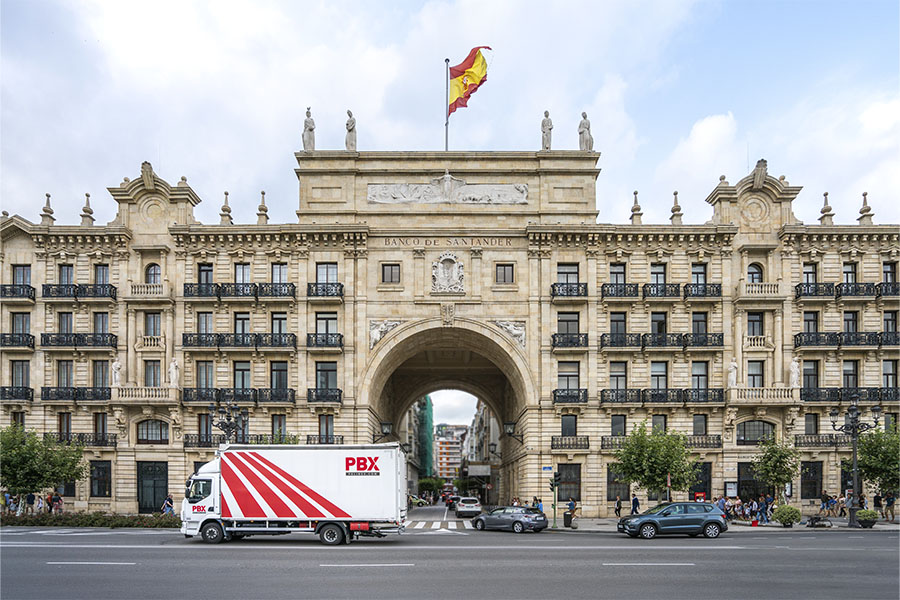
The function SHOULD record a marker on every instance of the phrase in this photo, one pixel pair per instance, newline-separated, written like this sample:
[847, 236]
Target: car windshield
[657, 509]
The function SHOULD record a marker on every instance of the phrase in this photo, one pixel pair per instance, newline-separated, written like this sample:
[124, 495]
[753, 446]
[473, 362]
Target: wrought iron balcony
[888, 289]
[612, 442]
[662, 340]
[619, 290]
[58, 393]
[814, 290]
[17, 340]
[860, 394]
[201, 290]
[568, 290]
[276, 340]
[200, 340]
[323, 395]
[570, 442]
[856, 289]
[620, 395]
[324, 439]
[703, 290]
[58, 339]
[889, 338]
[574, 396]
[239, 395]
[271, 438]
[325, 340]
[664, 395]
[815, 394]
[50, 290]
[203, 440]
[96, 340]
[83, 439]
[237, 340]
[821, 440]
[891, 395]
[325, 290]
[704, 441]
[93, 394]
[816, 338]
[703, 395]
[95, 290]
[703, 340]
[859, 338]
[205, 395]
[277, 290]
[16, 291]
[569, 340]
[282, 395]
[662, 290]
[620, 340]
[237, 290]
[16, 392]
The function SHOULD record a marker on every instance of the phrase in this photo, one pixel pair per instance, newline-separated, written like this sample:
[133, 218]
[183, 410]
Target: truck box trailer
[334, 491]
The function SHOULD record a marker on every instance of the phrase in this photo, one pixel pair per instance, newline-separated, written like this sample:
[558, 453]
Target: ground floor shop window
[810, 480]
[570, 486]
[101, 477]
[748, 484]
[615, 484]
[704, 482]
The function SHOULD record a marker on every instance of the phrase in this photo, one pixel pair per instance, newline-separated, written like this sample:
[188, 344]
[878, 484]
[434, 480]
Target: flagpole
[446, 104]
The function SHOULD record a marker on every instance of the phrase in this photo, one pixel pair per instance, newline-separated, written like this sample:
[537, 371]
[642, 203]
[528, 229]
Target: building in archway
[409, 272]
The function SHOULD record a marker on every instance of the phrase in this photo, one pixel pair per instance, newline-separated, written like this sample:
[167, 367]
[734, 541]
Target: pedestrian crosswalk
[439, 525]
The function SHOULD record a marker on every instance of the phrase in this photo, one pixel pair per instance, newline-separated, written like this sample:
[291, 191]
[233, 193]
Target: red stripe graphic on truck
[276, 504]
[246, 503]
[334, 510]
[305, 506]
[226, 512]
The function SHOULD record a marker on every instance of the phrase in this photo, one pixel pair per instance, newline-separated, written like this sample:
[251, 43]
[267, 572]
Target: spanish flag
[466, 77]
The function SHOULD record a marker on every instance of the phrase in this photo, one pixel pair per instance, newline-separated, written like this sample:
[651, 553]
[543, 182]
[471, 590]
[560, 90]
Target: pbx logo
[197, 509]
[361, 465]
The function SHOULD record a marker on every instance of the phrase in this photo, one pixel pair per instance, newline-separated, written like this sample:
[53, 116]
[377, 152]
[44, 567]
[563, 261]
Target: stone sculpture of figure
[116, 369]
[546, 129]
[309, 132]
[173, 373]
[732, 373]
[350, 139]
[585, 139]
[795, 373]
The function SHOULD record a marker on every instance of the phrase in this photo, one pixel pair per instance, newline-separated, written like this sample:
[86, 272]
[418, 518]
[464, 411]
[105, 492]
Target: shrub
[786, 514]
[867, 515]
[95, 519]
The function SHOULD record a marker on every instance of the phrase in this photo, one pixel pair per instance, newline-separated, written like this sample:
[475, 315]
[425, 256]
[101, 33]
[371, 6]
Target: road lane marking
[649, 565]
[88, 563]
[468, 524]
[373, 565]
[420, 525]
[194, 546]
[436, 525]
[445, 513]
[452, 524]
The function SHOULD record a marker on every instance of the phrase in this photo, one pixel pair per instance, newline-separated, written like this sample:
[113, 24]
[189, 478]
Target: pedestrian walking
[618, 506]
[889, 502]
[540, 505]
[877, 504]
[40, 505]
[50, 503]
[168, 507]
[635, 504]
[29, 503]
[56, 503]
[842, 506]
[762, 511]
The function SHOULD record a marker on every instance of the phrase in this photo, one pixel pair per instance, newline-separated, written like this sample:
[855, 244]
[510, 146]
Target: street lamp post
[231, 418]
[853, 427]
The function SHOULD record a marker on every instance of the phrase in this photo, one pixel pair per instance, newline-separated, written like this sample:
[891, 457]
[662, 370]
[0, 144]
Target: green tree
[650, 459]
[776, 464]
[430, 484]
[29, 463]
[878, 458]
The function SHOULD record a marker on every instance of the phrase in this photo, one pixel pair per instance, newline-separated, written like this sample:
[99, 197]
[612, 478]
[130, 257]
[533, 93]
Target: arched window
[152, 273]
[153, 431]
[755, 273]
[751, 433]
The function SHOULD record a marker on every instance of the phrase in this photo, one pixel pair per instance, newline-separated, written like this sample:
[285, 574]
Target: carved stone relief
[379, 329]
[447, 190]
[447, 276]
[515, 329]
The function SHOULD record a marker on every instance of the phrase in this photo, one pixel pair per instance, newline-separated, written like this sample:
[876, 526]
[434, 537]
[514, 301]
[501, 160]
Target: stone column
[477, 274]
[779, 346]
[419, 272]
[170, 341]
[739, 341]
[131, 362]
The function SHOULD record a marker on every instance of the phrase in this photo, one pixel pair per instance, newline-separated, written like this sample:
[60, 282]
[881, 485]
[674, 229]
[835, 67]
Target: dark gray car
[690, 518]
[513, 518]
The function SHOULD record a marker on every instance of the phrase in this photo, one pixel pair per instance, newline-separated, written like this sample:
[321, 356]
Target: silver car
[514, 518]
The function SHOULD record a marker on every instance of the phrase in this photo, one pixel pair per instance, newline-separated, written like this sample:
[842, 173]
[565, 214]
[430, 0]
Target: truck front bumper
[190, 527]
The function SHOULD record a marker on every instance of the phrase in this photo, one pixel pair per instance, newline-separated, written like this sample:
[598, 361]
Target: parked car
[690, 518]
[514, 518]
[416, 501]
[451, 502]
[468, 507]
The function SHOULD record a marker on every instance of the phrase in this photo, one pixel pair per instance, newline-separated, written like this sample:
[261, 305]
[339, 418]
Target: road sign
[490, 486]
[546, 468]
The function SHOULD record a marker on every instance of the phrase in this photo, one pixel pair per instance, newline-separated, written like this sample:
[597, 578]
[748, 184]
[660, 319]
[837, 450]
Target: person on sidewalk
[763, 511]
[824, 506]
[29, 503]
[889, 502]
[168, 507]
[618, 507]
[877, 504]
[635, 504]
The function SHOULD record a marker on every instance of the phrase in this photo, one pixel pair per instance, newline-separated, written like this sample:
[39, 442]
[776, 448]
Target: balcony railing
[203, 440]
[759, 289]
[205, 395]
[816, 338]
[704, 340]
[97, 340]
[148, 290]
[21, 291]
[50, 290]
[270, 439]
[703, 395]
[665, 395]
[201, 290]
[620, 340]
[237, 340]
[859, 338]
[569, 340]
[325, 290]
[662, 290]
[704, 441]
[821, 440]
[282, 395]
[93, 394]
[575, 396]
[570, 442]
[662, 340]
[16, 392]
[323, 395]
[84, 439]
[324, 439]
[237, 290]
[276, 340]
[277, 290]
[239, 395]
[58, 393]
[820, 394]
[768, 394]
[889, 338]
[856, 290]
[145, 394]
[703, 290]
[568, 290]
[888, 288]
[95, 290]
[620, 395]
[619, 290]
[17, 340]
[58, 339]
[325, 340]
[200, 340]
[814, 290]
[860, 394]
[890, 394]
[612, 442]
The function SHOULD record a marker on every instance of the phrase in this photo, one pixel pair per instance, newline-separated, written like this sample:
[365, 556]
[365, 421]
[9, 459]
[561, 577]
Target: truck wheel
[331, 534]
[212, 533]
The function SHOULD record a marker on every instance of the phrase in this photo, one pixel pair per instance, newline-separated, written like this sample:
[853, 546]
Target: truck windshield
[199, 489]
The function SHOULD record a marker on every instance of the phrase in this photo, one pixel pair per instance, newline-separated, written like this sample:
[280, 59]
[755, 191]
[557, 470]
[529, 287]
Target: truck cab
[201, 499]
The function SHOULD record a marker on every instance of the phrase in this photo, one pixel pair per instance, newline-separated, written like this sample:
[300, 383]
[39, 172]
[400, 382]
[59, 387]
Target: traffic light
[557, 479]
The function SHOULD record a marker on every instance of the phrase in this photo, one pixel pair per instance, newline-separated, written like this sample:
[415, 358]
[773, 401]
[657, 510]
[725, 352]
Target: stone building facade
[410, 272]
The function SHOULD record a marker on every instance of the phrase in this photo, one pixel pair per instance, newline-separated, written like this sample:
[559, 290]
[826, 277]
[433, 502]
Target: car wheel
[479, 525]
[331, 535]
[712, 530]
[517, 527]
[212, 533]
[648, 531]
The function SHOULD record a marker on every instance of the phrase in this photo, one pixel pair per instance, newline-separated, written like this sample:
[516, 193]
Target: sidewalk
[840, 524]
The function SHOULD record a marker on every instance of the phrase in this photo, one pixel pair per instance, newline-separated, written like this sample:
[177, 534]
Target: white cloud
[453, 407]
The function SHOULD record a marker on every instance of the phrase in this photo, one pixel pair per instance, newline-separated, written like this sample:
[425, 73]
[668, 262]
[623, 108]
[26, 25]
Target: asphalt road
[98, 564]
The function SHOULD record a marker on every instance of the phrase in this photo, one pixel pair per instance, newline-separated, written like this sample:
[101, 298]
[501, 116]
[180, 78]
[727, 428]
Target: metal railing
[662, 290]
[814, 290]
[271, 438]
[52, 290]
[95, 290]
[619, 290]
[325, 340]
[860, 394]
[205, 395]
[281, 395]
[703, 290]
[324, 395]
[76, 394]
[620, 395]
[859, 338]
[57, 339]
[620, 340]
[856, 289]
[324, 439]
[816, 338]
[237, 340]
[569, 340]
[888, 288]
[58, 393]
[703, 340]
[84, 439]
[568, 290]
[612, 442]
[573, 396]
[237, 290]
[570, 442]
[200, 340]
[238, 395]
[820, 394]
[703, 395]
[664, 395]
[80, 339]
[662, 340]
[890, 394]
[276, 340]
[203, 440]
[17, 340]
[16, 290]
[889, 338]
[704, 441]
[325, 290]
[277, 290]
[201, 290]
[16, 392]
[821, 440]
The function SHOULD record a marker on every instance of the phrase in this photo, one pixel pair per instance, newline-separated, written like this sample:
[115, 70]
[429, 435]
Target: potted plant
[786, 515]
[867, 518]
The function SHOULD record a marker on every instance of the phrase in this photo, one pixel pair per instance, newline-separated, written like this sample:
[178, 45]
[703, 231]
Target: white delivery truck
[336, 492]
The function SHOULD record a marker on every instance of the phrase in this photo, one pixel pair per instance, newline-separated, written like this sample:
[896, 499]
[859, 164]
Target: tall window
[152, 323]
[326, 426]
[21, 274]
[152, 274]
[567, 376]
[279, 322]
[204, 322]
[205, 374]
[698, 322]
[279, 425]
[810, 374]
[242, 272]
[100, 373]
[64, 373]
[568, 425]
[810, 273]
[618, 375]
[326, 375]
[890, 321]
[658, 422]
[66, 275]
[810, 480]
[851, 321]
[64, 322]
[658, 273]
[890, 421]
[100, 423]
[811, 424]
[152, 431]
[889, 272]
[698, 273]
[699, 424]
[326, 322]
[755, 370]
[278, 371]
[242, 374]
[151, 373]
[242, 322]
[64, 423]
[810, 321]
[617, 424]
[204, 427]
[204, 273]
[101, 322]
[658, 322]
[851, 374]
[279, 273]
[21, 376]
[849, 272]
[754, 273]
[21, 322]
[889, 373]
[617, 273]
[18, 418]
[617, 323]
[616, 486]
[326, 273]
[751, 433]
[567, 322]
[754, 323]
[101, 274]
[101, 477]
[570, 481]
[659, 375]
[390, 273]
[700, 375]
[567, 273]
